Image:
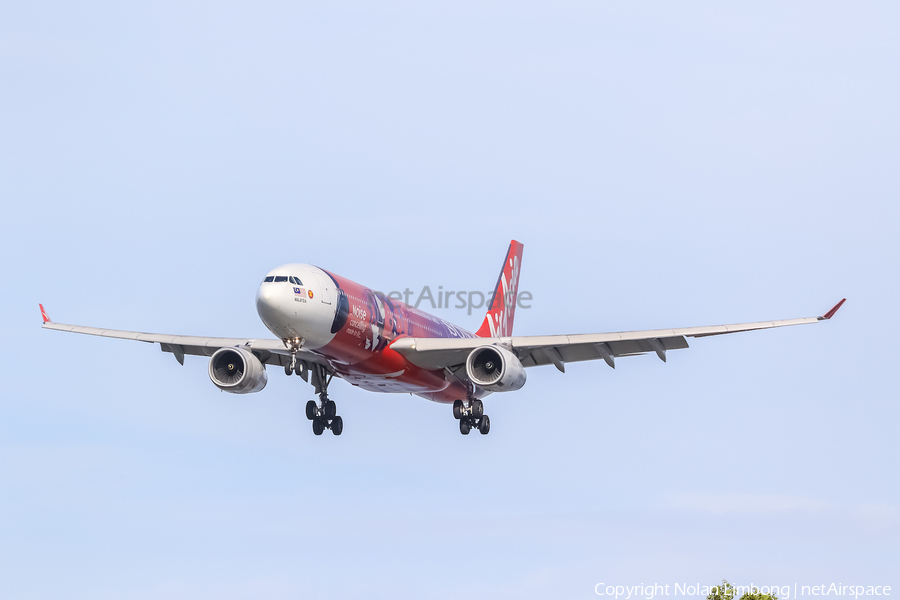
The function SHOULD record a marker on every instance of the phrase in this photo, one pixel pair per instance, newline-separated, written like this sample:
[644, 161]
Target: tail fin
[498, 322]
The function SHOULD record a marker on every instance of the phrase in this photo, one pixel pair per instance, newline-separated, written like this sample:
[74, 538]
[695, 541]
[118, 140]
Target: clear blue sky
[664, 164]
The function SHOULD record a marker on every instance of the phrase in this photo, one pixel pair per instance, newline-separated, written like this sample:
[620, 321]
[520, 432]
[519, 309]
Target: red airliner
[327, 325]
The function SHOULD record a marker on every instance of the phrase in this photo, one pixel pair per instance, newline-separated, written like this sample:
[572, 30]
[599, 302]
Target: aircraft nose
[271, 304]
[265, 293]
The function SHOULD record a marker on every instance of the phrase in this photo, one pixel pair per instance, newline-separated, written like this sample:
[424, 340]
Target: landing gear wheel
[477, 408]
[485, 426]
[329, 409]
[311, 410]
[298, 369]
[458, 409]
[464, 426]
[323, 413]
[288, 370]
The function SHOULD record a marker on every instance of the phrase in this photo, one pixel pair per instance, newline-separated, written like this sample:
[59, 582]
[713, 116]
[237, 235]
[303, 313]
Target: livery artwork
[300, 294]
[499, 318]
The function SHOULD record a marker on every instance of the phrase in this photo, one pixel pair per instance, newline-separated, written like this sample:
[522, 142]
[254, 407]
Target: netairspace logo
[783, 592]
[441, 298]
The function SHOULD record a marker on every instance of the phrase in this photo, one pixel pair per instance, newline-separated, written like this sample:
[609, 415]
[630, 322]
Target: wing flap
[532, 356]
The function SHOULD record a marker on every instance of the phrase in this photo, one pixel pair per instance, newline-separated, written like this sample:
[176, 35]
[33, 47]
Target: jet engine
[237, 370]
[496, 369]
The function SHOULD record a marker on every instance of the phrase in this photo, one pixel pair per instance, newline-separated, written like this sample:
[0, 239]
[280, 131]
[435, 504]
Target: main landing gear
[471, 416]
[324, 414]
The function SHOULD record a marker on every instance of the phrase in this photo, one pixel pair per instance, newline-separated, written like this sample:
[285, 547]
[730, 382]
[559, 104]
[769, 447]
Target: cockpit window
[292, 280]
[280, 279]
[269, 279]
[296, 280]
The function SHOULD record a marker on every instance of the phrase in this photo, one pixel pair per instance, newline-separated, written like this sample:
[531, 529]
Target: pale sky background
[665, 165]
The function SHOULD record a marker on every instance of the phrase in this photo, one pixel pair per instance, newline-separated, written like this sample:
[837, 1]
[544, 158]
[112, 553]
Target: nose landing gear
[471, 416]
[295, 367]
[324, 414]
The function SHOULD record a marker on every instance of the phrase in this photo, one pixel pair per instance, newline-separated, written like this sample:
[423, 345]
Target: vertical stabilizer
[498, 322]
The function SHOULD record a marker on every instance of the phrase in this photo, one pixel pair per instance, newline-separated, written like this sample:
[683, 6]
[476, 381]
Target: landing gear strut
[296, 367]
[324, 414]
[471, 416]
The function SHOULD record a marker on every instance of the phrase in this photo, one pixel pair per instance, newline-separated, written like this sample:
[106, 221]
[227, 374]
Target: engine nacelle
[495, 369]
[237, 370]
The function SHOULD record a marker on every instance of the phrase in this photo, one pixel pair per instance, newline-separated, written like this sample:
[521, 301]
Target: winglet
[833, 310]
[44, 314]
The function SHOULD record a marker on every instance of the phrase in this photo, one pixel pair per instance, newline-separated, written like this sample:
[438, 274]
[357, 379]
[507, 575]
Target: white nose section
[290, 309]
[272, 307]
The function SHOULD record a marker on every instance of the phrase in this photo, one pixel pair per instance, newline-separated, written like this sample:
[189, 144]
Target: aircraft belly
[454, 391]
[412, 381]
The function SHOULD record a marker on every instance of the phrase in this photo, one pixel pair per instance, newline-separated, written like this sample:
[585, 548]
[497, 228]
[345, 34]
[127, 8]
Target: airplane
[326, 326]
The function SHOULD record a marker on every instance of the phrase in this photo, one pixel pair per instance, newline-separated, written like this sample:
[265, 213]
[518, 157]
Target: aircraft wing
[439, 353]
[272, 352]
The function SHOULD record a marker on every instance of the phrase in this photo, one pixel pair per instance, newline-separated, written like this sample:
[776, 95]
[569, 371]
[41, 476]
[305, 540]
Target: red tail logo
[498, 322]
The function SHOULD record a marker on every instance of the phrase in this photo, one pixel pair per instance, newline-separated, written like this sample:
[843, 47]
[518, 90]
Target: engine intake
[495, 369]
[237, 371]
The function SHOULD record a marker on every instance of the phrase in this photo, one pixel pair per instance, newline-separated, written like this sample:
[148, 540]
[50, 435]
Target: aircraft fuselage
[352, 326]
